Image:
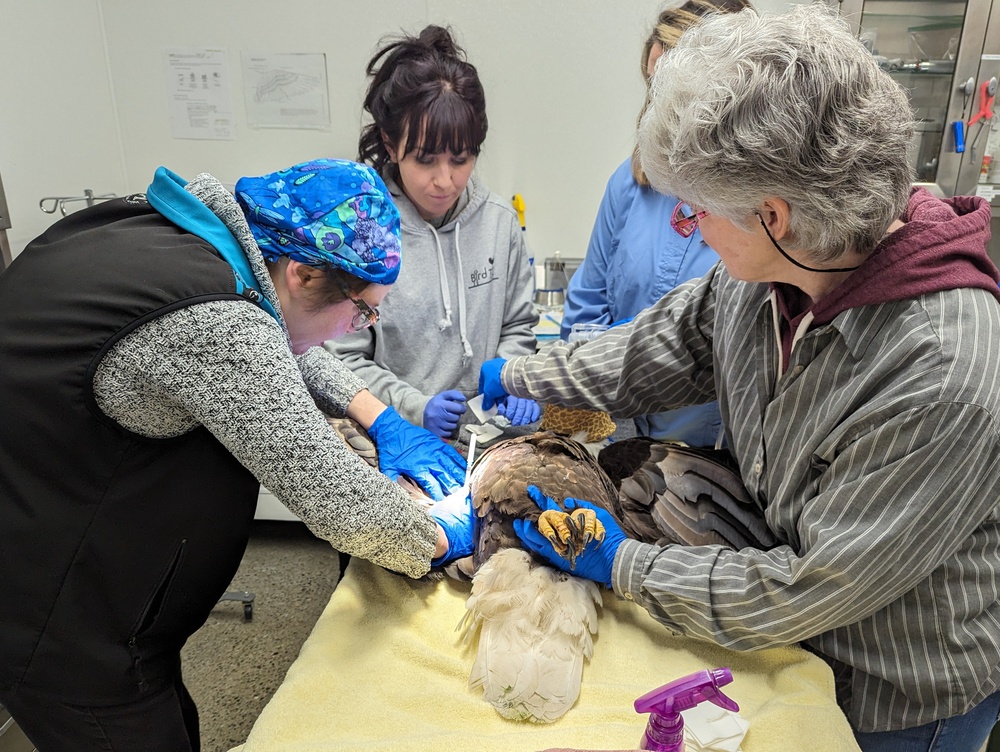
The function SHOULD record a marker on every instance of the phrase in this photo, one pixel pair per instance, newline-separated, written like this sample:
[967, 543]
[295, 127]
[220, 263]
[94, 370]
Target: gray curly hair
[748, 107]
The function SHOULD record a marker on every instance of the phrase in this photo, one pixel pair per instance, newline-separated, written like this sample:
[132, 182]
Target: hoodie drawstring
[466, 347]
[446, 295]
[443, 281]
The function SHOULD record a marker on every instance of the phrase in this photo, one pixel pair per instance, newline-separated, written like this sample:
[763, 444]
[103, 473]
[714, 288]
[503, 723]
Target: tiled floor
[232, 666]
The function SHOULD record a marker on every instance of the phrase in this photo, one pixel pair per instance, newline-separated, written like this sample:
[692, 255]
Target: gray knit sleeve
[356, 350]
[332, 384]
[226, 365]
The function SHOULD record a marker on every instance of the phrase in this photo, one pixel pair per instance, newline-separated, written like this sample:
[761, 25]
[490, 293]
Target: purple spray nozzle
[665, 732]
[687, 692]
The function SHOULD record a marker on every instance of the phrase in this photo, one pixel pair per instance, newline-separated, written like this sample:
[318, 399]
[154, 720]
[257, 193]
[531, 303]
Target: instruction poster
[199, 93]
[286, 90]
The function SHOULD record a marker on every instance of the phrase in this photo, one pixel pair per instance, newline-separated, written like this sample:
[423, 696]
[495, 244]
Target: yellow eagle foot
[570, 532]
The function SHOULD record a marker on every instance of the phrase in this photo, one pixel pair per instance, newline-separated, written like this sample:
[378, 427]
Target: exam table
[385, 669]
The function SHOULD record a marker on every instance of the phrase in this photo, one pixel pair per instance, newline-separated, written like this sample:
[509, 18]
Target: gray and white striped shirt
[875, 457]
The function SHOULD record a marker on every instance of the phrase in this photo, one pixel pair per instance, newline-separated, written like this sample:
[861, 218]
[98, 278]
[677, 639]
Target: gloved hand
[518, 410]
[489, 382]
[454, 514]
[405, 449]
[443, 412]
[597, 558]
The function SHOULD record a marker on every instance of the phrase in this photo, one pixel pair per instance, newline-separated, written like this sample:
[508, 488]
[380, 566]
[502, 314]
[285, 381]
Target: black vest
[113, 547]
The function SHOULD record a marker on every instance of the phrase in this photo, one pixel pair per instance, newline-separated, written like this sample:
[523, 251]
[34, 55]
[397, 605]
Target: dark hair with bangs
[424, 94]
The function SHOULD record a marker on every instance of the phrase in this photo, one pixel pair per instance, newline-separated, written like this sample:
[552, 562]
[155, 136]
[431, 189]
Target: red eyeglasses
[684, 221]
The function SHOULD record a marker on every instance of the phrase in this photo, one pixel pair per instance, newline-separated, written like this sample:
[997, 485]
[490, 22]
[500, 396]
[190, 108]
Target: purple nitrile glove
[518, 410]
[596, 560]
[489, 382]
[405, 449]
[443, 411]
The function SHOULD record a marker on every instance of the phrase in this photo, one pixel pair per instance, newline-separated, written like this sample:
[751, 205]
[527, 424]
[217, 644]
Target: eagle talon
[570, 532]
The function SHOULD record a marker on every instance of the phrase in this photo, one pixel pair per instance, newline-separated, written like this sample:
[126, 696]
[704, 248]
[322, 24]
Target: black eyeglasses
[366, 316]
[797, 263]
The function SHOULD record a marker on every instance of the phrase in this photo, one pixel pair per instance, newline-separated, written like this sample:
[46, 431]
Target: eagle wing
[671, 493]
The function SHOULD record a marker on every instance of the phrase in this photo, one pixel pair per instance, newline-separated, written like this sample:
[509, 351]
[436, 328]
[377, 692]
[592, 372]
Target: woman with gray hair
[849, 334]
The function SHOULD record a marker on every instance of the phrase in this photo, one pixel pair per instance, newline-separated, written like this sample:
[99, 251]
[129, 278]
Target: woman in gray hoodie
[464, 296]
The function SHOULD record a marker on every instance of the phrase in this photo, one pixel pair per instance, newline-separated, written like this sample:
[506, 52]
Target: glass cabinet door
[934, 51]
[918, 44]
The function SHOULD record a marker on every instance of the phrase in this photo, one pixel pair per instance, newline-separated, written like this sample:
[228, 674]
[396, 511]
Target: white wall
[83, 99]
[58, 131]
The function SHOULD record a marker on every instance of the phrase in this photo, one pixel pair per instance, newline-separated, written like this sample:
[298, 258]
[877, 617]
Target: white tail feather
[535, 626]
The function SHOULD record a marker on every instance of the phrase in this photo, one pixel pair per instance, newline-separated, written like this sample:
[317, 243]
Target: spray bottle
[665, 731]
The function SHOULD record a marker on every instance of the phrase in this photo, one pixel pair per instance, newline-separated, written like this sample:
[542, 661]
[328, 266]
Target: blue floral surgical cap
[328, 211]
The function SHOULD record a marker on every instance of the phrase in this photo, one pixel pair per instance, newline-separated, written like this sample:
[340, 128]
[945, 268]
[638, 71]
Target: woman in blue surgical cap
[160, 363]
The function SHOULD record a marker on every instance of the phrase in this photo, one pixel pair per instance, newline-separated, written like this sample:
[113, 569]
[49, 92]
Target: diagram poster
[199, 94]
[286, 90]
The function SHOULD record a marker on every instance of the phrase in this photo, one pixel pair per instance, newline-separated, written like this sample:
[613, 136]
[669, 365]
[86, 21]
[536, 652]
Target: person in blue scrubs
[634, 256]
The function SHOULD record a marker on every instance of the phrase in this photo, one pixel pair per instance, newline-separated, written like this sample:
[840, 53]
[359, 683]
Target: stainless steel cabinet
[947, 56]
[934, 49]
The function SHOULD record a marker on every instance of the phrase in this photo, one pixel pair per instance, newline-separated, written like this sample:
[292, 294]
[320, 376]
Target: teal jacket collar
[166, 194]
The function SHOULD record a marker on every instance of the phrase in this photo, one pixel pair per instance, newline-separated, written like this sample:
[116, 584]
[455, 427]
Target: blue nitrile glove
[518, 411]
[443, 412]
[597, 558]
[489, 382]
[405, 449]
[620, 323]
[454, 514]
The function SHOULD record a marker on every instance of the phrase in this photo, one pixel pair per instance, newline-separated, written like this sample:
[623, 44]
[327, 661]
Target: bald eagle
[534, 625]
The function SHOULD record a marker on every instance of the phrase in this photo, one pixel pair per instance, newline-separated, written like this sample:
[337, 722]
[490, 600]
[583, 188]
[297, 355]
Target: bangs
[448, 123]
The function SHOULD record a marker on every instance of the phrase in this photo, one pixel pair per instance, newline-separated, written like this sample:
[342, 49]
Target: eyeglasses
[366, 315]
[684, 220]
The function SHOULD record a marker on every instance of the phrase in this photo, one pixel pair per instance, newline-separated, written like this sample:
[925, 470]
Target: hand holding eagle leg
[595, 561]
[570, 532]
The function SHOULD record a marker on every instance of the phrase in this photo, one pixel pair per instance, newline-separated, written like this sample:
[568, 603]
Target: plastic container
[581, 332]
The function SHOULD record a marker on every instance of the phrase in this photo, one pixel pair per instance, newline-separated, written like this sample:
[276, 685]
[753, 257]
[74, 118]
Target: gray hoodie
[463, 296]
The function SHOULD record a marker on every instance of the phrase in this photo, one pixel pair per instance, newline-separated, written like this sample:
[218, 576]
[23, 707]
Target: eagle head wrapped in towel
[535, 624]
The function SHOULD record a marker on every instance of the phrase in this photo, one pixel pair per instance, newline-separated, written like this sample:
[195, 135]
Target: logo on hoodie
[483, 275]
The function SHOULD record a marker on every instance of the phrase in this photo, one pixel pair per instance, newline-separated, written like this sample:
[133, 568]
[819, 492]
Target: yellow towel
[384, 669]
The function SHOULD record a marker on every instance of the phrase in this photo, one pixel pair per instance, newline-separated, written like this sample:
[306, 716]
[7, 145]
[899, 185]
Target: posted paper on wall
[200, 95]
[286, 90]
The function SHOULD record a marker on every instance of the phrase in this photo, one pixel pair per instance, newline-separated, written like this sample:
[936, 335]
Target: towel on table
[385, 669]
